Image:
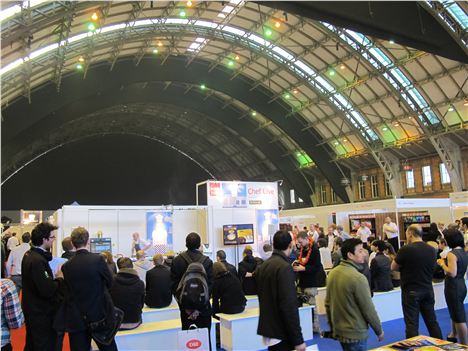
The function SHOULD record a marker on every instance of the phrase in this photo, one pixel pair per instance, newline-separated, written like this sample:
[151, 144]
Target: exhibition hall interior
[234, 175]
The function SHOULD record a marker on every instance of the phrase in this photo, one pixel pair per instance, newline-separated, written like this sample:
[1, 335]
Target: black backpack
[192, 292]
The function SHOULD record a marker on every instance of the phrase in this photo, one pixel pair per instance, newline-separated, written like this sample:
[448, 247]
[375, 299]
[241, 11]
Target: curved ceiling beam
[415, 26]
[73, 106]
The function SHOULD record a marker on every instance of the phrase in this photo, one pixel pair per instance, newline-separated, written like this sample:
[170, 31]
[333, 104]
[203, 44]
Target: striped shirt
[12, 315]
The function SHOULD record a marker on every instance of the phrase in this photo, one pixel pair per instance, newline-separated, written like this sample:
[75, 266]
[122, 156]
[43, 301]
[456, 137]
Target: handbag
[194, 339]
[104, 330]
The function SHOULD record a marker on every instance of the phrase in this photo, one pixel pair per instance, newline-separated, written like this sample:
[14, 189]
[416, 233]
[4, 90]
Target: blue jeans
[354, 346]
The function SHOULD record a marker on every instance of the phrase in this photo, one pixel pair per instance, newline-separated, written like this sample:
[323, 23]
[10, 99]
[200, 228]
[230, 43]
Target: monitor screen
[238, 234]
[98, 245]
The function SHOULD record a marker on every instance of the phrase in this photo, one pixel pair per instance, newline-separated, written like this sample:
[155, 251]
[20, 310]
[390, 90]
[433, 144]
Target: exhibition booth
[403, 212]
[233, 215]
[459, 204]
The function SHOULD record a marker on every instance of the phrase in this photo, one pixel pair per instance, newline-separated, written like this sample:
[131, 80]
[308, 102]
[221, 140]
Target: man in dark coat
[128, 293]
[40, 290]
[221, 257]
[279, 316]
[88, 280]
[158, 284]
[202, 318]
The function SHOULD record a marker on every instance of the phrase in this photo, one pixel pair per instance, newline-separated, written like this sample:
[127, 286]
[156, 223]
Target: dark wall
[105, 170]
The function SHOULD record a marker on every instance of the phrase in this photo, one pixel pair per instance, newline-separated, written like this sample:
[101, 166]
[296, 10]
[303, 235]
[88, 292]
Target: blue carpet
[394, 331]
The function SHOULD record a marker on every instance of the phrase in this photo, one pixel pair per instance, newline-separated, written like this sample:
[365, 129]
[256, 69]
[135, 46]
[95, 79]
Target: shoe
[452, 339]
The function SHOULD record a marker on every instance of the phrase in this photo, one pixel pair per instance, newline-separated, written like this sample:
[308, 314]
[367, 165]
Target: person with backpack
[192, 280]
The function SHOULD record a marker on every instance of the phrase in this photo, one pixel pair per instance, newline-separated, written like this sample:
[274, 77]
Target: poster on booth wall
[159, 231]
[267, 224]
[261, 195]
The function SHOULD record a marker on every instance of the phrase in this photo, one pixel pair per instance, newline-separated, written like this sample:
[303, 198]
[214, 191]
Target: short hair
[349, 246]
[267, 248]
[322, 242]
[390, 248]
[140, 254]
[124, 262]
[464, 221]
[158, 259]
[302, 235]
[221, 255]
[339, 241]
[79, 237]
[192, 241]
[67, 244]
[453, 226]
[339, 227]
[415, 230]
[441, 240]
[379, 244]
[107, 256]
[218, 267]
[454, 238]
[371, 238]
[248, 252]
[281, 240]
[26, 237]
[40, 232]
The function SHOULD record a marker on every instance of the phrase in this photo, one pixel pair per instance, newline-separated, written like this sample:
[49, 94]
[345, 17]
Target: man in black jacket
[128, 293]
[279, 316]
[202, 318]
[40, 290]
[221, 257]
[158, 284]
[88, 279]
[310, 270]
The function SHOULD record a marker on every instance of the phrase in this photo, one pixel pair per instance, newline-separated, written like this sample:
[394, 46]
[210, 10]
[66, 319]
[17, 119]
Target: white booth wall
[459, 204]
[119, 222]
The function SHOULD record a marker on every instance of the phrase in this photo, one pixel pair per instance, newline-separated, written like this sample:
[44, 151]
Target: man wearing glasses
[39, 290]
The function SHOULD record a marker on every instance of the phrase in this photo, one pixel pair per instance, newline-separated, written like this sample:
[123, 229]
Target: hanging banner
[267, 224]
[260, 195]
[159, 230]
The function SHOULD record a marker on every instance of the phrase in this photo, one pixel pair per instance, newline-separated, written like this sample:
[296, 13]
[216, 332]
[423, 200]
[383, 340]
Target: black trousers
[415, 302]
[282, 346]
[200, 322]
[394, 242]
[7, 347]
[80, 341]
[39, 333]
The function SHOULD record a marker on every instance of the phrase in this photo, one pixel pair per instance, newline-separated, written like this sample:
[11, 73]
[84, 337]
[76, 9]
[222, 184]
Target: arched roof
[325, 96]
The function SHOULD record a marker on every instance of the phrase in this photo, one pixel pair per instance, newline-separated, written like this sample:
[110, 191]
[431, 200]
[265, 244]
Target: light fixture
[237, 57]
[396, 124]
[91, 27]
[202, 86]
[160, 44]
[331, 72]
[182, 13]
[287, 96]
[342, 66]
[277, 24]
[384, 129]
[336, 143]
[391, 41]
[465, 103]
[189, 3]
[451, 108]
[295, 91]
[268, 32]
[254, 113]
[345, 140]
[155, 51]
[79, 66]
[231, 63]
[81, 59]
[94, 16]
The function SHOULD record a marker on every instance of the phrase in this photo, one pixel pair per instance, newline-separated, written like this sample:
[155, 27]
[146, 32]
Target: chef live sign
[194, 340]
[259, 195]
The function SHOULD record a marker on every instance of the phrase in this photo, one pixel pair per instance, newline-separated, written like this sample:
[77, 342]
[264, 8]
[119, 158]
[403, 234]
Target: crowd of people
[89, 292]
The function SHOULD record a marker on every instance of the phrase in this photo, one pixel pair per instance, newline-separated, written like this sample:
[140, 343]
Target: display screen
[238, 234]
[98, 245]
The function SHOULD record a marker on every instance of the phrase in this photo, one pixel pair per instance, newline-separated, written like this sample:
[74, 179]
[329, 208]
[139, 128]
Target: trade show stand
[459, 204]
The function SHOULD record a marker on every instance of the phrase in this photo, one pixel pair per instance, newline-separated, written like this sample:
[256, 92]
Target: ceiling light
[81, 59]
[237, 58]
[331, 72]
[295, 91]
[465, 103]
[182, 13]
[287, 96]
[91, 27]
[155, 51]
[345, 140]
[202, 86]
[277, 24]
[79, 66]
[451, 108]
[231, 63]
[189, 3]
[384, 129]
[336, 143]
[396, 124]
[268, 32]
[254, 113]
[94, 16]
[160, 44]
[391, 41]
[342, 66]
